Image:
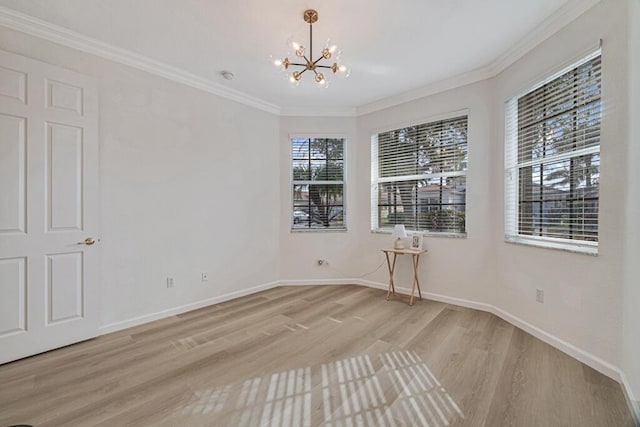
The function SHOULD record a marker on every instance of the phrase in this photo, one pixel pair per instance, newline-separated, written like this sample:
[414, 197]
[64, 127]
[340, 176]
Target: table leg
[415, 271]
[391, 269]
[416, 283]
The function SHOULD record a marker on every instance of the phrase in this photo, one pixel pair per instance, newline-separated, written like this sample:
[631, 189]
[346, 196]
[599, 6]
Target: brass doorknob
[88, 241]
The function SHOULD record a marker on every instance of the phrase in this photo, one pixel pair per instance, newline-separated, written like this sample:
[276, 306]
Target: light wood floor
[312, 356]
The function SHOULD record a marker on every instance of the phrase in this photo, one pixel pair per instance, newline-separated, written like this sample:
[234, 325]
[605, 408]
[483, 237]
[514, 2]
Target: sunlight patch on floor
[391, 389]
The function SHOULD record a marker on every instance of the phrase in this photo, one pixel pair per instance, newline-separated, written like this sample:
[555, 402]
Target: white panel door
[49, 275]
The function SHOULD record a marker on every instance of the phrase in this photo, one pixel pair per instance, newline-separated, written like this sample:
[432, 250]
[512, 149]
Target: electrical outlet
[205, 277]
[540, 295]
[170, 283]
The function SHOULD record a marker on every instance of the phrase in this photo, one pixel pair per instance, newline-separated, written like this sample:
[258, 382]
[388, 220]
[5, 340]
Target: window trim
[375, 179]
[510, 138]
[315, 135]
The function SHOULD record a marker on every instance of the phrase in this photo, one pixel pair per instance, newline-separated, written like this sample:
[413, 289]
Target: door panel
[13, 290]
[63, 96]
[13, 84]
[64, 287]
[64, 177]
[49, 284]
[12, 174]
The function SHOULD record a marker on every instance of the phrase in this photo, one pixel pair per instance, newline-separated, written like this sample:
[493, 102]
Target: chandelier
[306, 60]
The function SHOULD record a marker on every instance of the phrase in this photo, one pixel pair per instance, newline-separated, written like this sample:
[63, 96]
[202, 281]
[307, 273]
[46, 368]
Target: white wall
[631, 295]
[583, 294]
[457, 267]
[300, 250]
[356, 252]
[183, 174]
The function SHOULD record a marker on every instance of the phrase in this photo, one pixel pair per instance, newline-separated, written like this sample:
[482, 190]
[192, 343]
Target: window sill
[319, 230]
[579, 248]
[425, 233]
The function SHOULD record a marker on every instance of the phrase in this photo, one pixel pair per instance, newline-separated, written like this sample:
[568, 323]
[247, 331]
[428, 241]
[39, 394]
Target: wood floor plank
[312, 356]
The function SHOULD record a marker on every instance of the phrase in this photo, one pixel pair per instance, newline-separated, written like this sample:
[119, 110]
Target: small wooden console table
[392, 266]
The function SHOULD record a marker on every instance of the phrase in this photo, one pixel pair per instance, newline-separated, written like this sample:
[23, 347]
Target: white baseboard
[632, 400]
[583, 356]
[460, 301]
[378, 285]
[317, 282]
[124, 324]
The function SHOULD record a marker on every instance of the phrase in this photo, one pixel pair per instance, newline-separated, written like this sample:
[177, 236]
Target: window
[419, 177]
[317, 166]
[552, 160]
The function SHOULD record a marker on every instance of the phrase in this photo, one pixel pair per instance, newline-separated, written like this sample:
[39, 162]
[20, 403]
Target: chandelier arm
[296, 63]
[323, 66]
[318, 60]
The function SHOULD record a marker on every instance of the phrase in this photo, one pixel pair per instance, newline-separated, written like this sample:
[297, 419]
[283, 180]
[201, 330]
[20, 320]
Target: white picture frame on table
[416, 242]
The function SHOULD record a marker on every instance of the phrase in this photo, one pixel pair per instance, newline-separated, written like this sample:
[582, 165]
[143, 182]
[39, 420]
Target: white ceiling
[392, 46]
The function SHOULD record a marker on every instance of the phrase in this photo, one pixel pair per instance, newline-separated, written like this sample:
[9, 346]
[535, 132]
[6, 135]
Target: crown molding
[566, 14]
[428, 90]
[60, 35]
[45, 30]
[554, 23]
[318, 112]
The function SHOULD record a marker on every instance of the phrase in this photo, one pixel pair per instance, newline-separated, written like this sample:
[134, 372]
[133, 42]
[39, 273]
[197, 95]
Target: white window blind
[317, 168]
[419, 177]
[552, 160]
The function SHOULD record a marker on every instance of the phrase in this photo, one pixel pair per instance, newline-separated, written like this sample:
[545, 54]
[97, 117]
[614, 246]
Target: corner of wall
[631, 292]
